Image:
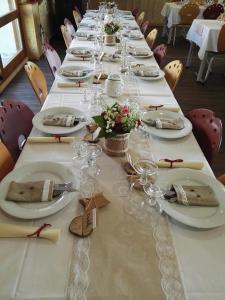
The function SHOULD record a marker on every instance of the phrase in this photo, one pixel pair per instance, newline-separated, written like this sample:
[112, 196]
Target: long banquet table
[121, 259]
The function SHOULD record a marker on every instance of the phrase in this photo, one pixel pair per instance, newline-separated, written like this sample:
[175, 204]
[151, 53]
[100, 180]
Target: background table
[203, 33]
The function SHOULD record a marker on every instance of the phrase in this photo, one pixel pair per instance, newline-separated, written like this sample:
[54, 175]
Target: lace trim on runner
[168, 266]
[80, 264]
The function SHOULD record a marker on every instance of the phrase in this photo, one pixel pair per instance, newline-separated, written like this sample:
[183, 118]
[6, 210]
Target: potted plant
[116, 123]
[110, 28]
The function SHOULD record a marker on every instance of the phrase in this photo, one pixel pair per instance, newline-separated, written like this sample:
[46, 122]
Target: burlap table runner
[123, 260]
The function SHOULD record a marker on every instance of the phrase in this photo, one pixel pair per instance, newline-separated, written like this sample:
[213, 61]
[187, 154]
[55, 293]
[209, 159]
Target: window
[11, 45]
[6, 6]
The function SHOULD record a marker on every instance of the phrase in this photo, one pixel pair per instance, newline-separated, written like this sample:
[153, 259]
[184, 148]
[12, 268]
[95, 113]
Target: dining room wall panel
[152, 7]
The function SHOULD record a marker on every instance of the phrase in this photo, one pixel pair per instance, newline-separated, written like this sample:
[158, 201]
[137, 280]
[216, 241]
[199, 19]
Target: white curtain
[151, 7]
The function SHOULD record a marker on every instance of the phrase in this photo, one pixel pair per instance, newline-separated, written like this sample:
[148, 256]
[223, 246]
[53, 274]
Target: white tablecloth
[204, 33]
[37, 269]
[171, 10]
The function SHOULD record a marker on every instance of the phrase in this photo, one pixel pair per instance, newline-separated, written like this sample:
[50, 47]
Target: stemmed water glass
[147, 169]
[90, 166]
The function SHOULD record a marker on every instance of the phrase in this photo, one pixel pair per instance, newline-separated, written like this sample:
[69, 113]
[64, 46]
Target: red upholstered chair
[52, 57]
[160, 53]
[145, 27]
[221, 178]
[6, 161]
[69, 27]
[213, 11]
[15, 125]
[207, 130]
[135, 12]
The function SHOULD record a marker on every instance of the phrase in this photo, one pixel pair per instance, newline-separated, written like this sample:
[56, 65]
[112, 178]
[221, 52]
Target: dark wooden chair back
[213, 11]
[135, 12]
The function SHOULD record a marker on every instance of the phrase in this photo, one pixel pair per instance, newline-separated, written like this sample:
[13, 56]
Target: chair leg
[209, 70]
[170, 35]
[188, 62]
[174, 35]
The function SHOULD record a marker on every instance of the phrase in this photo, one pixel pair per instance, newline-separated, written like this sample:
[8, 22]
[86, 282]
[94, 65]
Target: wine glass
[147, 169]
[90, 166]
[95, 107]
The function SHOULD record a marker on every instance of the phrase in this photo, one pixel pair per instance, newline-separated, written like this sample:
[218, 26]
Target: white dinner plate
[195, 216]
[36, 171]
[135, 37]
[74, 69]
[160, 76]
[166, 133]
[73, 52]
[150, 54]
[57, 130]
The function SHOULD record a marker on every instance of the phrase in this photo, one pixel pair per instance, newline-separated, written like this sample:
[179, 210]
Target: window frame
[6, 71]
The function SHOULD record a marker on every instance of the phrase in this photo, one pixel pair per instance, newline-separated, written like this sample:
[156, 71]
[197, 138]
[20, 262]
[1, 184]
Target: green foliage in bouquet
[117, 119]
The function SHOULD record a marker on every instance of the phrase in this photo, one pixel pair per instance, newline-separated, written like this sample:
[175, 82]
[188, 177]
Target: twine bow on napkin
[172, 161]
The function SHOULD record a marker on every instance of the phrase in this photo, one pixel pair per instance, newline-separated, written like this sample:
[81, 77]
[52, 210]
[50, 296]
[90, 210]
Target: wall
[152, 7]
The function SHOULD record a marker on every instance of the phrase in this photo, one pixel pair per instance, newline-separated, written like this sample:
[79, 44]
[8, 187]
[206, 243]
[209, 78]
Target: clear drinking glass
[147, 169]
[90, 166]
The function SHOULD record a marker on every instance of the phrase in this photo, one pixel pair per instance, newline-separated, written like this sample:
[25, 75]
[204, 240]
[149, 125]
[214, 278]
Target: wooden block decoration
[83, 225]
[98, 201]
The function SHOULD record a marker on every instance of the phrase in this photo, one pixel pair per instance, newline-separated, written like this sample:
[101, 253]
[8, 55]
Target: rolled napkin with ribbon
[179, 163]
[33, 191]
[61, 120]
[161, 107]
[175, 124]
[71, 84]
[191, 195]
[20, 231]
[50, 139]
[78, 58]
